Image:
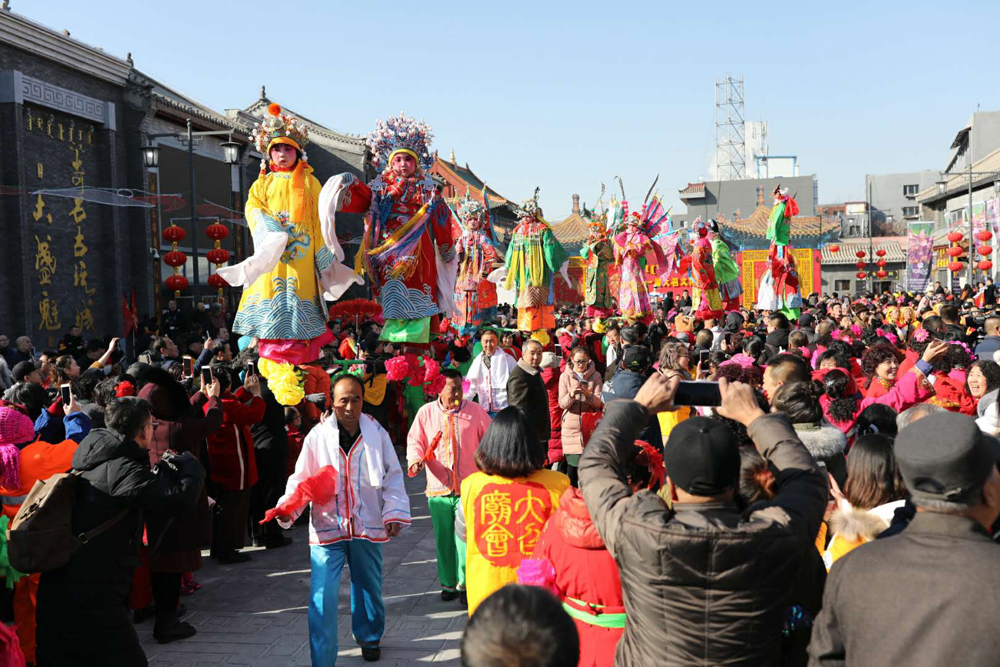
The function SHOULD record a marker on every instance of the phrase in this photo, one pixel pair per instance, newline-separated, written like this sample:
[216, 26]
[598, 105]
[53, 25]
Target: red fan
[319, 489]
[359, 309]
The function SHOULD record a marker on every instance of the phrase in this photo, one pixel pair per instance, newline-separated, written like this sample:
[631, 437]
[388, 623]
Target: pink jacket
[454, 456]
[573, 408]
[911, 388]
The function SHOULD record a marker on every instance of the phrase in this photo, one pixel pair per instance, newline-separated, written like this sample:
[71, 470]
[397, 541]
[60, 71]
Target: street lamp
[151, 158]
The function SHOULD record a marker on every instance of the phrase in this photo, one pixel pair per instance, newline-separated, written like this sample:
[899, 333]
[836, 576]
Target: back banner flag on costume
[919, 255]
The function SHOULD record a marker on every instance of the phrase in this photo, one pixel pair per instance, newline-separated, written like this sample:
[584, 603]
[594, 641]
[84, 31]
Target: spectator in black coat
[83, 614]
[526, 389]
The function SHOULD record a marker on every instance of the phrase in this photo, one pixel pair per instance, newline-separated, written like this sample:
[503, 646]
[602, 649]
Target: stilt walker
[779, 288]
[705, 295]
[475, 296]
[727, 274]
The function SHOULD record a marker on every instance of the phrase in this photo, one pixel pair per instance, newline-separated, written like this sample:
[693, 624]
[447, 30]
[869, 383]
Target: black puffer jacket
[83, 615]
[704, 584]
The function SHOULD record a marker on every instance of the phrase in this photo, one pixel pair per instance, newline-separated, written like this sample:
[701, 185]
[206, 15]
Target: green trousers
[450, 549]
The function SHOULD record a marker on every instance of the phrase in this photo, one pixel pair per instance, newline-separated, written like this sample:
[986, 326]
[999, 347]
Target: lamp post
[151, 158]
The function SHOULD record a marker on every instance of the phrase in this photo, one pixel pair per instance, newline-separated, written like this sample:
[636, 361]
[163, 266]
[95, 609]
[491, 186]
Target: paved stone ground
[255, 613]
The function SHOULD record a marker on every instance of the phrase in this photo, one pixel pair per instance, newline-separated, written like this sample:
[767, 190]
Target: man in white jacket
[488, 374]
[370, 506]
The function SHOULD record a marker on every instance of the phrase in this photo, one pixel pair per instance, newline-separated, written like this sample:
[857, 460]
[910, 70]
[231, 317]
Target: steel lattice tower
[729, 134]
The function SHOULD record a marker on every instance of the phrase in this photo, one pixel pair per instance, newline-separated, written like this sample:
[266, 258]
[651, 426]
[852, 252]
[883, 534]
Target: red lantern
[881, 274]
[173, 233]
[859, 254]
[984, 235]
[954, 237]
[954, 251]
[984, 250]
[955, 267]
[880, 263]
[176, 283]
[218, 255]
[174, 258]
[217, 231]
[835, 248]
[860, 265]
[880, 252]
[217, 281]
[985, 265]
[861, 275]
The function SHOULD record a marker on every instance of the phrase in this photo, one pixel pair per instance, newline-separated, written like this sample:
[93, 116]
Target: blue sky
[568, 95]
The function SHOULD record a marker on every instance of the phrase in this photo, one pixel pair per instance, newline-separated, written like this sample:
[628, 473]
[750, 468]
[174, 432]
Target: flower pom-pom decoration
[274, 109]
[921, 334]
[538, 572]
[856, 329]
[542, 336]
[397, 368]
[124, 388]
[653, 460]
[432, 369]
[436, 386]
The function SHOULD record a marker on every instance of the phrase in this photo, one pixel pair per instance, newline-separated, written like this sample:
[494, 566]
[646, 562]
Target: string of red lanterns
[176, 259]
[955, 251]
[985, 250]
[217, 255]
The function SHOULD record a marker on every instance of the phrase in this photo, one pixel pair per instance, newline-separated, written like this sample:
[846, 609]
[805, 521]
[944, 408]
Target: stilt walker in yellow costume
[296, 259]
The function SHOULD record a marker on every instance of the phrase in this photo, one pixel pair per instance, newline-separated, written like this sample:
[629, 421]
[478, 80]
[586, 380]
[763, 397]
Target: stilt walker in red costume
[779, 288]
[408, 250]
[705, 296]
[475, 296]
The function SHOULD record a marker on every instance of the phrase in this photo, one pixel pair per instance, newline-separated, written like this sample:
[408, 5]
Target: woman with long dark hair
[872, 494]
[506, 504]
[800, 401]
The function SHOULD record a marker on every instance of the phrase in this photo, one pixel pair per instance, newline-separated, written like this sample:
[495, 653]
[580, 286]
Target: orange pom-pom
[274, 108]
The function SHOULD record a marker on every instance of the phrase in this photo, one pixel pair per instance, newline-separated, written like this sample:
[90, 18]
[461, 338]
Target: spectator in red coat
[550, 376]
[233, 465]
[570, 559]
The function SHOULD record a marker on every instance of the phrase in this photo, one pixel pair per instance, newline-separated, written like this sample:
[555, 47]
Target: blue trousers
[367, 608]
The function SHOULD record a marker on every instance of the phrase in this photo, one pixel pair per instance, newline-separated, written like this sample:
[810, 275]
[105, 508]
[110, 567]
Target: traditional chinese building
[83, 215]
[457, 181]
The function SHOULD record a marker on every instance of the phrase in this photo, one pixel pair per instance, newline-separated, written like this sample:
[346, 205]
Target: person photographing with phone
[703, 582]
[579, 394]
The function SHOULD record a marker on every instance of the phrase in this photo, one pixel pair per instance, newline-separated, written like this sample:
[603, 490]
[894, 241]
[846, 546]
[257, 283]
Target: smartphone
[703, 356]
[188, 366]
[206, 375]
[251, 369]
[66, 393]
[697, 393]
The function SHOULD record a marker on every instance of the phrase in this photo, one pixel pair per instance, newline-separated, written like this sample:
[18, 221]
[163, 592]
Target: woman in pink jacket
[579, 393]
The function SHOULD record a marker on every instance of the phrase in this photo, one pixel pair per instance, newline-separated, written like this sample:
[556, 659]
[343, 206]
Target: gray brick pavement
[254, 614]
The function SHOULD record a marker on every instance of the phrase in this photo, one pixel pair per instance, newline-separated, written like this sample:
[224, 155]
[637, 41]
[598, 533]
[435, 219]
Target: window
[842, 285]
[910, 190]
[911, 211]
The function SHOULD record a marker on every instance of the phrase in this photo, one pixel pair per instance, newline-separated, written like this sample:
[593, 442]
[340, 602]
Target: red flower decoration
[124, 388]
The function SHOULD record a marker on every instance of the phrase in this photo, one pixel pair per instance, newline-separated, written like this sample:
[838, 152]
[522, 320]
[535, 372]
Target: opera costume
[634, 250]
[779, 288]
[475, 296]
[727, 274]
[705, 298]
[295, 263]
[599, 254]
[408, 248]
[533, 258]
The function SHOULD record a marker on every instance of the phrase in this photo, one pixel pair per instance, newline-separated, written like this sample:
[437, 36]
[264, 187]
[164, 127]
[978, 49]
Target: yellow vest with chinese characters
[503, 520]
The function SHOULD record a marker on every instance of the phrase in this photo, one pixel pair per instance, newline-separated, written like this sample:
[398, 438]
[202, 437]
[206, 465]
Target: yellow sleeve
[257, 212]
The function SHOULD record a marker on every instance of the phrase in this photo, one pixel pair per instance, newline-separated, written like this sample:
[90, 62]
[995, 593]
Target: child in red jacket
[570, 559]
[232, 463]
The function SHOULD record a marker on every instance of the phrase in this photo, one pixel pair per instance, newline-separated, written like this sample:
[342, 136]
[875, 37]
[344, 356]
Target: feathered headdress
[279, 128]
[398, 134]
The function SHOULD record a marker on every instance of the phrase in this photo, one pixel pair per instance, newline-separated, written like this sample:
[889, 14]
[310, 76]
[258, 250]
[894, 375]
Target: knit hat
[702, 457]
[16, 429]
[549, 360]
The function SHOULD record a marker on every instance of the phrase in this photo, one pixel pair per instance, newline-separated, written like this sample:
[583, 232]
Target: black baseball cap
[945, 456]
[702, 457]
[636, 358]
[23, 368]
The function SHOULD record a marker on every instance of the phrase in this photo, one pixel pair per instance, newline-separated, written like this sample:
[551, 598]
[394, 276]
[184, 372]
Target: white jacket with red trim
[373, 497]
